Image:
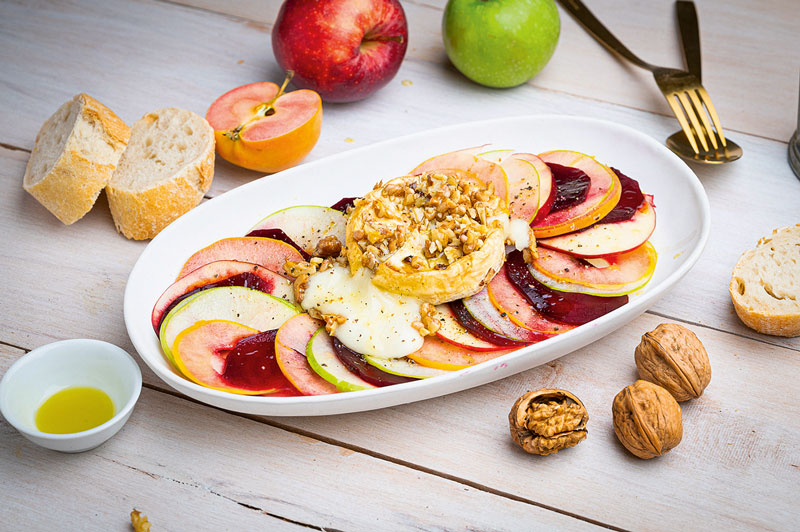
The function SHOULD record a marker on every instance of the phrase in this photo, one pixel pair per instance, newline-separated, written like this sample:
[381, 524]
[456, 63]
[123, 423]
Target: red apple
[343, 49]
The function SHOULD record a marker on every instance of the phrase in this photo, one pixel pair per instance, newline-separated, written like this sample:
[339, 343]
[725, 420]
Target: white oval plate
[680, 235]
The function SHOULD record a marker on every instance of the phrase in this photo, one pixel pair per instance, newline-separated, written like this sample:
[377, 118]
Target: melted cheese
[519, 232]
[378, 322]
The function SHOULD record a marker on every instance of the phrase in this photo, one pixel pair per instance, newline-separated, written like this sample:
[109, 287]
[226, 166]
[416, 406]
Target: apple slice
[568, 307]
[604, 239]
[405, 367]
[259, 127]
[523, 188]
[467, 161]
[620, 274]
[602, 194]
[547, 191]
[451, 331]
[234, 303]
[266, 252]
[290, 353]
[221, 273]
[306, 225]
[510, 302]
[477, 314]
[435, 353]
[358, 364]
[323, 360]
[228, 356]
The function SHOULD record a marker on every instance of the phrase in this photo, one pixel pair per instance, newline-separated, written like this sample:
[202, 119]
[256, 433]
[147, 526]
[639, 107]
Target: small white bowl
[32, 379]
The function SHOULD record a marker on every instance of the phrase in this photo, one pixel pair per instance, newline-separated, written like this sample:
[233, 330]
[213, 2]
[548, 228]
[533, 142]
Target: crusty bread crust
[70, 188]
[765, 284]
[142, 214]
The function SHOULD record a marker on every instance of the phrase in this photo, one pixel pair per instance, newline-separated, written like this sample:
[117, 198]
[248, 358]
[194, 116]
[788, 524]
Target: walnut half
[547, 421]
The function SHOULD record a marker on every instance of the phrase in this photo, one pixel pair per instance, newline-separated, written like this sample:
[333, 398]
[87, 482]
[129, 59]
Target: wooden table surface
[441, 464]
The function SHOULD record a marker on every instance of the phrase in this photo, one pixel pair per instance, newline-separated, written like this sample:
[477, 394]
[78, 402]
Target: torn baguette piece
[765, 285]
[166, 169]
[74, 156]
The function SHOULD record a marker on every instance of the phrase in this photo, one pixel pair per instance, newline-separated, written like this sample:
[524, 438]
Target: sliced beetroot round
[468, 321]
[278, 234]
[571, 186]
[629, 202]
[356, 363]
[572, 308]
[251, 365]
[343, 204]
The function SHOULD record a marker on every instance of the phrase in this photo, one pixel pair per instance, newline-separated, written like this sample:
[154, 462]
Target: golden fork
[683, 91]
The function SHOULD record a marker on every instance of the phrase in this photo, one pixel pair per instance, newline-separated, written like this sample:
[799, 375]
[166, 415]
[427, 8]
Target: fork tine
[710, 106]
[690, 112]
[704, 118]
[678, 112]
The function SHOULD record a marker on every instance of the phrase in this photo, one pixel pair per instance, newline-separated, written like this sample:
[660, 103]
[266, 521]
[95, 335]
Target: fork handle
[690, 36]
[601, 33]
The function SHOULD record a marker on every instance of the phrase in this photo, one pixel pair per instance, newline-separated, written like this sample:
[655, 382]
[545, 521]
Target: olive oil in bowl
[74, 410]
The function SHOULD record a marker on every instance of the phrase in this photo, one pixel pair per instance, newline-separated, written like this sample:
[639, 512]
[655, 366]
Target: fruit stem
[266, 109]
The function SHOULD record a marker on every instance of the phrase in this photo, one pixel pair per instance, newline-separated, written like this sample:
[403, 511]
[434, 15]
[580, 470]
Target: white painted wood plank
[746, 50]
[189, 467]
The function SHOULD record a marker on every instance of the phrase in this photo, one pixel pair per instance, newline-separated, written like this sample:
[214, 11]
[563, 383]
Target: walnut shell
[547, 421]
[672, 357]
[647, 419]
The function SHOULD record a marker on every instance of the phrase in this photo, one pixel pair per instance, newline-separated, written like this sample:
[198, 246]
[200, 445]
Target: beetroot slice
[629, 201]
[356, 363]
[251, 365]
[278, 234]
[473, 326]
[343, 204]
[569, 307]
[571, 185]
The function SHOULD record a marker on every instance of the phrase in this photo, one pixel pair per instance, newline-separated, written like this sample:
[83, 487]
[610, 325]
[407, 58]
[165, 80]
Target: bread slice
[165, 170]
[75, 153]
[765, 285]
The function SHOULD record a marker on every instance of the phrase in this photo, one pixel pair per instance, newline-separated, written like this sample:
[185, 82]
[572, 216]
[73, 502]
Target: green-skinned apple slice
[480, 308]
[546, 187]
[523, 188]
[614, 238]
[266, 252]
[248, 307]
[221, 271]
[620, 274]
[323, 360]
[601, 197]
[510, 303]
[290, 353]
[405, 367]
[435, 353]
[306, 224]
[468, 161]
[454, 333]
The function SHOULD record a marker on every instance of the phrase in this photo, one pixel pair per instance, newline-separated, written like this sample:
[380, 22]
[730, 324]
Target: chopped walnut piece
[332, 321]
[300, 285]
[547, 421]
[330, 246]
[429, 319]
[295, 269]
[139, 521]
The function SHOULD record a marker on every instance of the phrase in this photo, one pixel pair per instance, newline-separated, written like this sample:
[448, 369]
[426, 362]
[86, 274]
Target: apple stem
[267, 108]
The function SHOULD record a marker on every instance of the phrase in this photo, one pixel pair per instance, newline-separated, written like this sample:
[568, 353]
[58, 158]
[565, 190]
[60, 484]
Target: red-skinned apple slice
[480, 309]
[214, 273]
[266, 252]
[523, 188]
[467, 160]
[510, 302]
[546, 189]
[438, 354]
[623, 274]
[603, 194]
[454, 333]
[290, 347]
[306, 225]
[213, 354]
[601, 240]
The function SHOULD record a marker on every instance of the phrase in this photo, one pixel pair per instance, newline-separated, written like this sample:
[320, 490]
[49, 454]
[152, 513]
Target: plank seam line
[13, 148]
[15, 346]
[740, 335]
[156, 476]
[380, 456]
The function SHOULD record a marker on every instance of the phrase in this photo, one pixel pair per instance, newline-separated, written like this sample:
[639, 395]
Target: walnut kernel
[673, 357]
[547, 421]
[647, 419]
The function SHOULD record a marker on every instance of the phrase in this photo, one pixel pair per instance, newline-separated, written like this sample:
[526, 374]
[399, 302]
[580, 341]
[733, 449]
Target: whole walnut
[547, 421]
[647, 419]
[672, 357]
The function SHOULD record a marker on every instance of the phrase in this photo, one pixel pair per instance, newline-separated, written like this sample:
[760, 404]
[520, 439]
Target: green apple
[500, 43]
